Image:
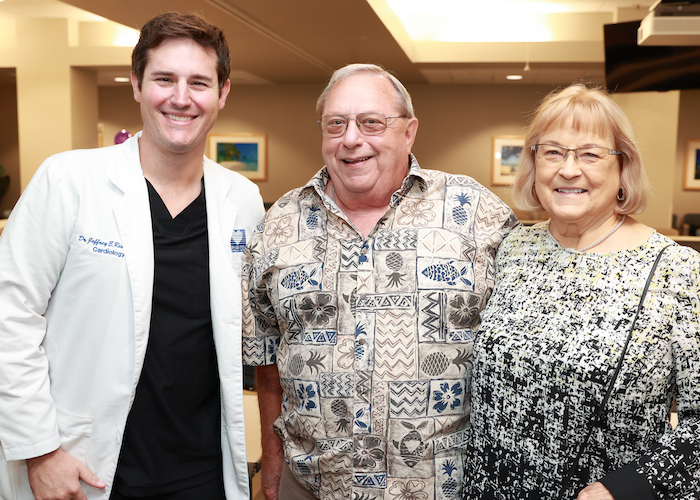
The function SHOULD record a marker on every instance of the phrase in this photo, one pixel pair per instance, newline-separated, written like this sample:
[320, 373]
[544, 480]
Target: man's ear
[135, 87]
[411, 131]
[223, 93]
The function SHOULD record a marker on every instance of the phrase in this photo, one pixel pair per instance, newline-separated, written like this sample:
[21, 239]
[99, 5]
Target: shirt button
[361, 341]
[364, 251]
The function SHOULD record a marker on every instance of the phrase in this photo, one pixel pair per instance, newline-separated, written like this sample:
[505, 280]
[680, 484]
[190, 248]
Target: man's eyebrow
[201, 77]
[161, 73]
[158, 74]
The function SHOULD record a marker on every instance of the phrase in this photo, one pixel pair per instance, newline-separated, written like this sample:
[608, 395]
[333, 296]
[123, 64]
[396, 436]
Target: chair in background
[668, 231]
[692, 222]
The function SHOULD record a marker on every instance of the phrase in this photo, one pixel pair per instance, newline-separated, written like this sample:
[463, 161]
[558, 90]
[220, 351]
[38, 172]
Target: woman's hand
[595, 491]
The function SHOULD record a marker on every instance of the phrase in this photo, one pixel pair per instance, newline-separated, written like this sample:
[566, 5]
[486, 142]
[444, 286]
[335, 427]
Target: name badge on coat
[238, 240]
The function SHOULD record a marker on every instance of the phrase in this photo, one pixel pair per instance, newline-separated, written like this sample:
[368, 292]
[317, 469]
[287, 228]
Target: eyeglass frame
[347, 117]
[612, 152]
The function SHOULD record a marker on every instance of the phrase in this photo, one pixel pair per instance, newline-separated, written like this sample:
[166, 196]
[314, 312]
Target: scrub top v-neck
[173, 435]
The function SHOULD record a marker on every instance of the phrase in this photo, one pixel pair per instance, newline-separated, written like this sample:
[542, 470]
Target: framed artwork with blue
[691, 170]
[242, 153]
[505, 157]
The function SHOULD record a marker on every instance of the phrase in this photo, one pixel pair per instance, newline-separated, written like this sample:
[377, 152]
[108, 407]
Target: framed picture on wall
[505, 157]
[242, 153]
[691, 169]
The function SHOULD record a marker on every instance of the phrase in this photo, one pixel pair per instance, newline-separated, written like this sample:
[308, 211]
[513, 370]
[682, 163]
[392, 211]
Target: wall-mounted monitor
[633, 68]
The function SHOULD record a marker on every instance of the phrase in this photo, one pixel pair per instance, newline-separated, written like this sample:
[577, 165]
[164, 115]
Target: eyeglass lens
[557, 154]
[368, 123]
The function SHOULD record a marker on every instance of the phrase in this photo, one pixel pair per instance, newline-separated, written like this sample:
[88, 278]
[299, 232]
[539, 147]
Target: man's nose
[353, 134]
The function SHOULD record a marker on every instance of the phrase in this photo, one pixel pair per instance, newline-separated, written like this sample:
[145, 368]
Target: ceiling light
[514, 77]
[126, 37]
[463, 20]
[119, 79]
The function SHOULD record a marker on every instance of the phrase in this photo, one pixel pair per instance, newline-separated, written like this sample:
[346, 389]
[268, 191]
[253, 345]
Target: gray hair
[403, 98]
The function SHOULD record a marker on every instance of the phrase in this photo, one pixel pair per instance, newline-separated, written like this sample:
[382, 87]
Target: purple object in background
[121, 136]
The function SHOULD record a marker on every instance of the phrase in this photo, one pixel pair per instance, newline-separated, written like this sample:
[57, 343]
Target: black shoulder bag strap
[598, 415]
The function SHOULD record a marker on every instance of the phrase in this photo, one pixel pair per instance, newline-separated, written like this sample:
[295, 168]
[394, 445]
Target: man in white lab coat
[120, 323]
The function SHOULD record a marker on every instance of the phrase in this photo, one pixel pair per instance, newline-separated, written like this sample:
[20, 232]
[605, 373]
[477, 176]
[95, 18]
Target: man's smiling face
[364, 166]
[179, 96]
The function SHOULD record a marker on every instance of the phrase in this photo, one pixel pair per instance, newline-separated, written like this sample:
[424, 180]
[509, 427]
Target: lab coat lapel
[133, 216]
[224, 274]
[221, 213]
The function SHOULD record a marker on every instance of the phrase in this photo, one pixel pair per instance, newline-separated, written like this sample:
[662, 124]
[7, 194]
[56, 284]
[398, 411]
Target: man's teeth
[357, 160]
[571, 190]
[180, 118]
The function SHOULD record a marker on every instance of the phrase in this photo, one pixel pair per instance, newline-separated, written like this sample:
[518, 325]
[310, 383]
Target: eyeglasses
[555, 155]
[368, 123]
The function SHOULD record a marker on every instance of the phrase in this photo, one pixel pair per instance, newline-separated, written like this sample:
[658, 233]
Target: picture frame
[241, 152]
[505, 157]
[691, 167]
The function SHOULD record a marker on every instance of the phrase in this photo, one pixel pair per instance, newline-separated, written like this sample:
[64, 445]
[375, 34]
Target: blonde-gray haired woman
[592, 329]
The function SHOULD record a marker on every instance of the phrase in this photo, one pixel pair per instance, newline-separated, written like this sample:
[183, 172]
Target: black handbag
[597, 416]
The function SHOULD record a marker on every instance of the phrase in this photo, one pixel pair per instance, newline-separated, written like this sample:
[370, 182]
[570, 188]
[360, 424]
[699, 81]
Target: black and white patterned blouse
[546, 350]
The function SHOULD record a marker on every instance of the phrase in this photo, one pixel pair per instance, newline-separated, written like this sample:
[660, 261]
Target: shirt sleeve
[672, 466]
[261, 332]
[33, 246]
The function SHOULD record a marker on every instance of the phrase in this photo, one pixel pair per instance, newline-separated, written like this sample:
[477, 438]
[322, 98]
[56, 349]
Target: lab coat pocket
[75, 432]
[11, 474]
[236, 260]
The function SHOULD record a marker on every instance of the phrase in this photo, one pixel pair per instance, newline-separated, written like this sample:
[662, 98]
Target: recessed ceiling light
[463, 20]
[514, 77]
[119, 79]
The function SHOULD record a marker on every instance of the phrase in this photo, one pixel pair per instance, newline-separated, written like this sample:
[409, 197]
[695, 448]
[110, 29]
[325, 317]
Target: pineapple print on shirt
[375, 334]
[460, 206]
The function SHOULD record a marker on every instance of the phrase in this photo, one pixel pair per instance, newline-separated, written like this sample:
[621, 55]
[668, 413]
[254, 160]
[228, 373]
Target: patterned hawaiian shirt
[373, 337]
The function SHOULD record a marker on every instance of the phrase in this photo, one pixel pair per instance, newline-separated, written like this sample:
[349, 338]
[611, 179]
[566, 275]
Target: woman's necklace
[604, 237]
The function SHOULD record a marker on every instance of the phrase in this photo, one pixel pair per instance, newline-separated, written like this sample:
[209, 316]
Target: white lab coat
[76, 283]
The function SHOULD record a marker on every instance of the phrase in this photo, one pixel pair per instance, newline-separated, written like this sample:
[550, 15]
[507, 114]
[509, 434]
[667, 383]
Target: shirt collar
[319, 182]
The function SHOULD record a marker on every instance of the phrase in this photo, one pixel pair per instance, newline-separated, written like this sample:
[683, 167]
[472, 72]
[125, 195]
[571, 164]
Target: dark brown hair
[188, 26]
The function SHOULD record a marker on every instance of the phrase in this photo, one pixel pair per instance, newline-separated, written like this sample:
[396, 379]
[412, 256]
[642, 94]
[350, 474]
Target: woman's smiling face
[576, 193]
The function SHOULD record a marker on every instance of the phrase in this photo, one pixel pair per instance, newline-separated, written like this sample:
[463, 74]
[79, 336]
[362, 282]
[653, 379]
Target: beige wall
[688, 128]
[56, 97]
[654, 117]
[117, 110]
[84, 108]
[457, 124]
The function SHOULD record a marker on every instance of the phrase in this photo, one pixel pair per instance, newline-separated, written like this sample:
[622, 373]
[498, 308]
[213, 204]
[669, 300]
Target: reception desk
[689, 241]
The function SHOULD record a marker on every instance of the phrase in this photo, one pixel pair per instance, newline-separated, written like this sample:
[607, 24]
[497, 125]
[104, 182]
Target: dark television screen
[633, 68]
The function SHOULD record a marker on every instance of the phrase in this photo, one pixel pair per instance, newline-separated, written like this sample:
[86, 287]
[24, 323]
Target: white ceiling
[303, 41]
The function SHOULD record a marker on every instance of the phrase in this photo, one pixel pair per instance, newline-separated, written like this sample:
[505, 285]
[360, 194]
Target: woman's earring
[621, 195]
